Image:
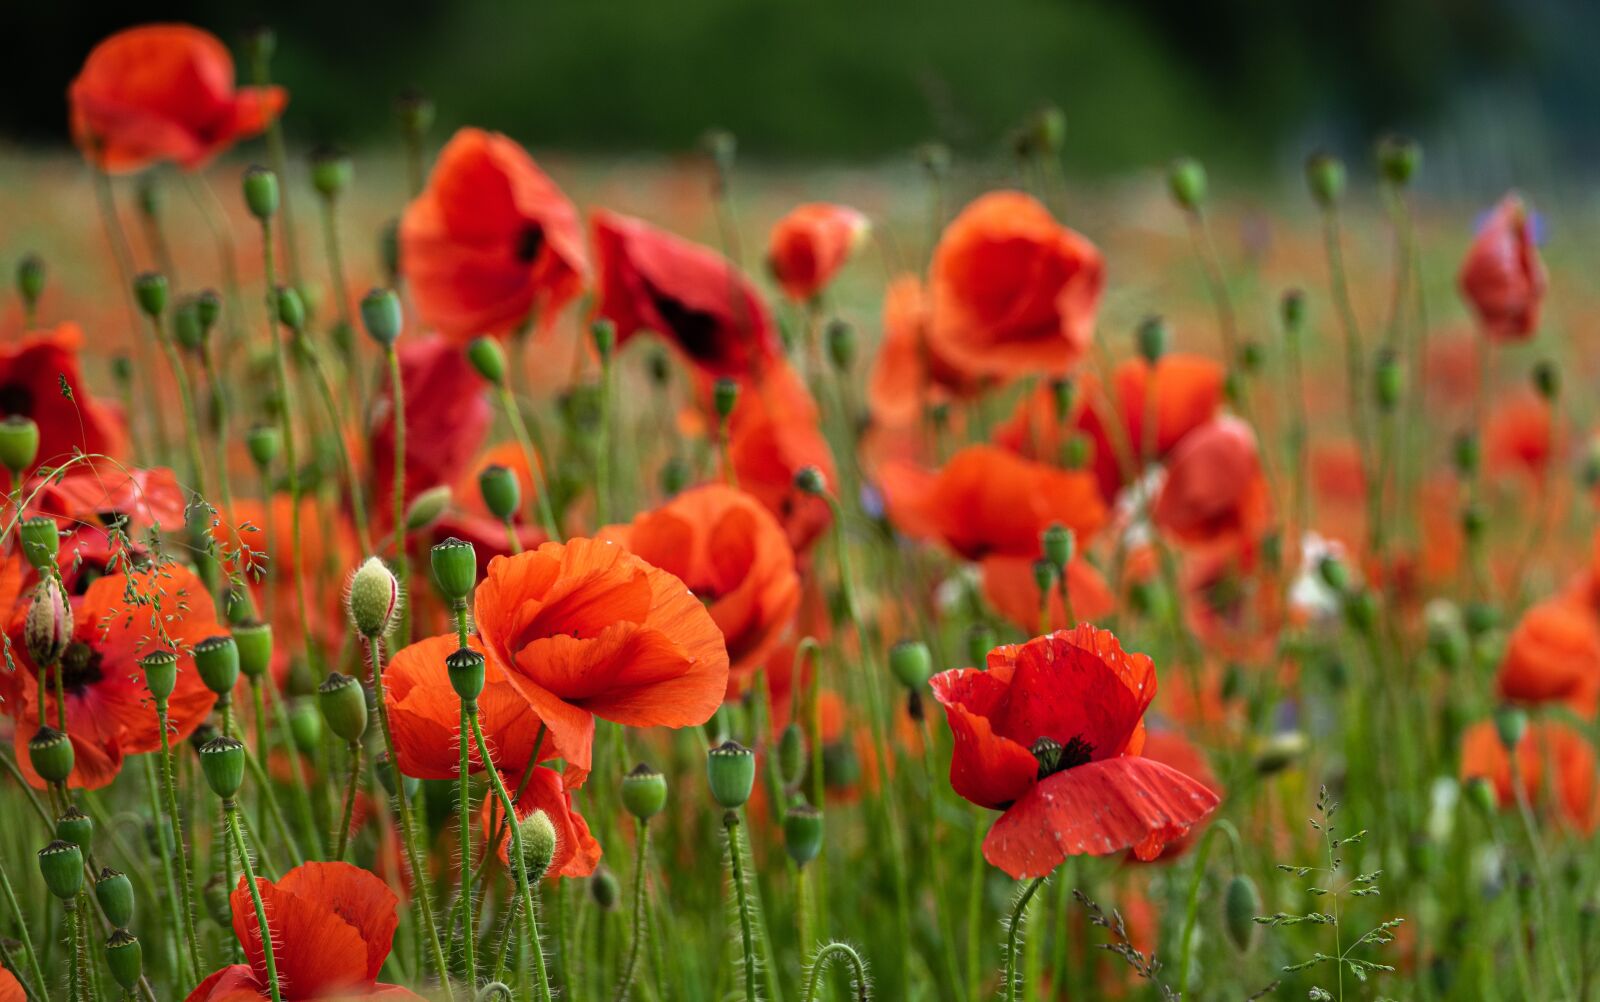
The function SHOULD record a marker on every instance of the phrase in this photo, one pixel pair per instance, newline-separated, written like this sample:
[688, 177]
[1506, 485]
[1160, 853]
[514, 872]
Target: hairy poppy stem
[185, 880]
[519, 428]
[341, 300]
[397, 392]
[28, 953]
[1013, 933]
[75, 967]
[237, 832]
[641, 859]
[191, 420]
[846, 954]
[469, 934]
[121, 252]
[351, 789]
[730, 821]
[358, 503]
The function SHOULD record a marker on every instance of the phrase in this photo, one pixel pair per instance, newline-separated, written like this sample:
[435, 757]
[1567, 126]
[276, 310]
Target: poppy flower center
[15, 398]
[1054, 757]
[694, 330]
[79, 667]
[529, 243]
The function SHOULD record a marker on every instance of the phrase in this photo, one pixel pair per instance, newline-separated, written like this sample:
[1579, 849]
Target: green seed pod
[264, 441]
[160, 669]
[1292, 311]
[19, 444]
[1075, 451]
[1399, 158]
[47, 629]
[501, 490]
[207, 308]
[150, 290]
[41, 541]
[1361, 610]
[980, 641]
[466, 668]
[1044, 575]
[222, 760]
[30, 279]
[644, 792]
[261, 193]
[344, 706]
[373, 598]
[841, 340]
[254, 641]
[674, 475]
[485, 355]
[76, 827]
[291, 308]
[1334, 573]
[382, 768]
[538, 844]
[802, 833]
[1389, 380]
[725, 396]
[1547, 379]
[125, 958]
[1154, 338]
[51, 754]
[455, 569]
[911, 663]
[1510, 723]
[1481, 794]
[61, 866]
[305, 726]
[1467, 454]
[605, 890]
[1473, 520]
[217, 660]
[1186, 179]
[1479, 618]
[1063, 396]
[1241, 903]
[186, 327]
[731, 773]
[114, 891]
[1325, 178]
[791, 755]
[1058, 543]
[604, 334]
[428, 507]
[810, 481]
[380, 314]
[331, 172]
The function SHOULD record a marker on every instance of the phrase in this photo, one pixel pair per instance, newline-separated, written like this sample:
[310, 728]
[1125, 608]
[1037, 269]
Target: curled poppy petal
[1502, 276]
[33, 372]
[810, 244]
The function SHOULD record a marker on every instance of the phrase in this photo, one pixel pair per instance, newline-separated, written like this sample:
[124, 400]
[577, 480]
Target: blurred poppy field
[455, 569]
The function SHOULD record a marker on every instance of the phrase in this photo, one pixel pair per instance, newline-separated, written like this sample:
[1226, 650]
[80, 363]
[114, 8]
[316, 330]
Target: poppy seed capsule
[1044, 574]
[486, 357]
[428, 507]
[331, 172]
[1480, 793]
[261, 192]
[501, 491]
[305, 726]
[980, 641]
[1399, 157]
[1241, 903]
[455, 569]
[605, 890]
[30, 279]
[373, 599]
[802, 833]
[1292, 311]
[725, 396]
[41, 541]
[207, 308]
[644, 792]
[150, 290]
[217, 660]
[1510, 723]
[344, 706]
[1467, 453]
[1473, 520]
[841, 340]
[1547, 379]
[254, 641]
[160, 674]
[264, 442]
[674, 475]
[61, 866]
[1389, 379]
[19, 444]
[1325, 178]
[1334, 573]
[76, 827]
[380, 314]
[1075, 451]
[291, 308]
[47, 630]
[792, 755]
[604, 333]
[114, 891]
[466, 668]
[51, 755]
[538, 835]
[222, 760]
[125, 958]
[911, 663]
[731, 773]
[1186, 179]
[810, 480]
[186, 327]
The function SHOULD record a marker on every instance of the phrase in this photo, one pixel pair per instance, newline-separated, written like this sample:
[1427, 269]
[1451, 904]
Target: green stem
[351, 789]
[185, 881]
[519, 429]
[36, 972]
[243, 852]
[730, 821]
[845, 953]
[640, 927]
[1013, 933]
[464, 823]
[397, 392]
[358, 503]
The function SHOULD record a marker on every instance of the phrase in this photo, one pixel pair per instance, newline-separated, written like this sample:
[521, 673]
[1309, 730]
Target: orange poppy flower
[909, 374]
[470, 519]
[1014, 292]
[1553, 655]
[32, 373]
[447, 419]
[332, 925]
[733, 555]
[1051, 735]
[1009, 585]
[256, 540]
[577, 851]
[809, 246]
[11, 988]
[653, 280]
[109, 713]
[1502, 277]
[1482, 755]
[989, 501]
[1214, 492]
[1520, 436]
[586, 629]
[164, 92]
[491, 242]
[774, 432]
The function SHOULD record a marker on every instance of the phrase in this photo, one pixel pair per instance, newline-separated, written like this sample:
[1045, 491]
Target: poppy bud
[466, 668]
[1361, 610]
[1398, 159]
[674, 475]
[802, 833]
[76, 827]
[222, 760]
[331, 172]
[486, 357]
[254, 641]
[911, 663]
[380, 314]
[1048, 129]
[731, 773]
[51, 755]
[125, 958]
[19, 444]
[644, 792]
[980, 641]
[373, 598]
[1480, 793]
[386, 773]
[791, 753]
[428, 507]
[1447, 636]
[1250, 355]
[1154, 337]
[1547, 379]
[1064, 394]
[1325, 178]
[261, 193]
[604, 333]
[809, 480]
[291, 308]
[1335, 573]
[538, 844]
[150, 289]
[160, 669]
[501, 490]
[1480, 618]
[61, 866]
[1186, 179]
[1058, 542]
[264, 441]
[725, 396]
[47, 631]
[344, 706]
[1044, 574]
[455, 569]
[114, 891]
[1075, 451]
[30, 279]
[603, 887]
[1388, 379]
[305, 726]
[207, 308]
[186, 327]
[1241, 903]
[1292, 311]
[1510, 723]
[841, 339]
[217, 660]
[415, 112]
[1473, 520]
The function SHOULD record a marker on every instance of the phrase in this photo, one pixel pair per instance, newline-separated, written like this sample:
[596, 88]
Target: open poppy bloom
[257, 535]
[446, 414]
[586, 629]
[810, 244]
[164, 92]
[1502, 277]
[32, 372]
[332, 925]
[774, 432]
[109, 712]
[1171, 748]
[652, 280]
[1553, 656]
[87, 503]
[11, 988]
[909, 374]
[1545, 743]
[1014, 292]
[1051, 735]
[491, 242]
[1520, 436]
[1010, 586]
[1214, 492]
[734, 556]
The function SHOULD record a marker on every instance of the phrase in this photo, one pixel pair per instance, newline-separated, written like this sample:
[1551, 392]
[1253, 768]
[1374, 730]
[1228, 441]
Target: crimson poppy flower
[1553, 656]
[1051, 735]
[909, 374]
[1014, 292]
[109, 713]
[491, 241]
[447, 419]
[1010, 586]
[810, 244]
[586, 629]
[164, 92]
[332, 925]
[1214, 492]
[989, 501]
[1545, 743]
[734, 556]
[774, 432]
[577, 851]
[1520, 435]
[33, 372]
[1173, 749]
[652, 280]
[1502, 277]
[88, 504]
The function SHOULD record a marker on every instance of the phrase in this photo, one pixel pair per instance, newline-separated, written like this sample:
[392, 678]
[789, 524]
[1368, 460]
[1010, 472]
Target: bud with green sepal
[19, 445]
[261, 193]
[501, 491]
[382, 317]
[373, 598]
[802, 833]
[1186, 180]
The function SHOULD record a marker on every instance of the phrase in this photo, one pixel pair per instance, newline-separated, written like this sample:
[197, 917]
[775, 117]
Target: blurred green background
[1246, 83]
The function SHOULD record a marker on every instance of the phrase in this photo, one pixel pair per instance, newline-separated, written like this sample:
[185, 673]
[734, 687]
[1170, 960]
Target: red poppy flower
[989, 501]
[774, 432]
[33, 372]
[1214, 492]
[909, 374]
[163, 92]
[1521, 435]
[447, 419]
[651, 280]
[809, 246]
[577, 851]
[1553, 655]
[1544, 742]
[332, 925]
[1502, 277]
[87, 503]
[1051, 734]
[587, 629]
[470, 519]
[1010, 586]
[491, 241]
[1014, 292]
[11, 988]
[109, 713]
[257, 543]
[1172, 749]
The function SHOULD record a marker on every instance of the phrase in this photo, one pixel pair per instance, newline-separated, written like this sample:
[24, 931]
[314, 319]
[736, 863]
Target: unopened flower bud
[1547, 379]
[1241, 903]
[538, 836]
[264, 442]
[1292, 311]
[809, 480]
[331, 172]
[47, 630]
[674, 475]
[911, 663]
[254, 641]
[488, 359]
[1389, 380]
[428, 507]
[380, 314]
[373, 599]
[501, 490]
[30, 279]
[1058, 543]
[186, 327]
[1154, 338]
[791, 753]
[1186, 179]
[344, 706]
[291, 308]
[725, 396]
[1510, 723]
[604, 333]
[150, 289]
[1325, 178]
[802, 833]
[644, 792]
[1399, 157]
[841, 342]
[261, 193]
[305, 726]
[731, 773]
